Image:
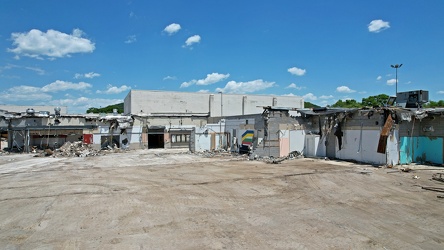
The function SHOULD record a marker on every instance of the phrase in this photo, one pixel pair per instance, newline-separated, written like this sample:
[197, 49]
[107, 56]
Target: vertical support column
[211, 105]
[244, 104]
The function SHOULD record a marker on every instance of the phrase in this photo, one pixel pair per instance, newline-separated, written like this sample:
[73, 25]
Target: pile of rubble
[70, 149]
[221, 153]
[78, 149]
[272, 160]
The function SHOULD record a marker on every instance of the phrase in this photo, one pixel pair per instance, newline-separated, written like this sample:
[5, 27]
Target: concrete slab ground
[169, 199]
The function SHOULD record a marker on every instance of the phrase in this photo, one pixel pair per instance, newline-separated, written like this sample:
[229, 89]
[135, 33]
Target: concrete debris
[221, 153]
[75, 149]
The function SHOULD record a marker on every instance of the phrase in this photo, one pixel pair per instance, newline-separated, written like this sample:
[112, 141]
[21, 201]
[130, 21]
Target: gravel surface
[171, 199]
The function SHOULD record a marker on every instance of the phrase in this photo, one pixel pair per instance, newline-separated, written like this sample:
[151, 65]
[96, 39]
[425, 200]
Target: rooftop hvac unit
[30, 111]
[412, 99]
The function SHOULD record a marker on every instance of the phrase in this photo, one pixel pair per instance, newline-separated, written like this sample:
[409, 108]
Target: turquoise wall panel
[421, 150]
[405, 150]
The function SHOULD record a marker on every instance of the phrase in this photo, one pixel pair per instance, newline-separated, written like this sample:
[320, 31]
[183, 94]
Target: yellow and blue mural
[247, 137]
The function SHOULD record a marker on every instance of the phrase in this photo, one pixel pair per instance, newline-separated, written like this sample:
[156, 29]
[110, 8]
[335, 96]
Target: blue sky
[84, 54]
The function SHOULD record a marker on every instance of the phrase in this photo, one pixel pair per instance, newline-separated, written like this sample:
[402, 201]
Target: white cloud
[89, 75]
[391, 82]
[192, 40]
[9, 66]
[81, 104]
[325, 97]
[51, 44]
[378, 78]
[441, 92]
[172, 28]
[37, 70]
[187, 84]
[291, 94]
[203, 91]
[245, 87]
[310, 96]
[294, 86]
[114, 90]
[131, 39]
[169, 78]
[63, 86]
[210, 79]
[377, 26]
[344, 89]
[24, 93]
[297, 71]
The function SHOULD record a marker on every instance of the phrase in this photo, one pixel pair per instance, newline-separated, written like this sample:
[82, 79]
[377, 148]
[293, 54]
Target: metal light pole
[396, 66]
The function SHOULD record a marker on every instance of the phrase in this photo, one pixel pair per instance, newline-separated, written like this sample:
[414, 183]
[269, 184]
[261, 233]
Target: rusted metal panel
[382, 145]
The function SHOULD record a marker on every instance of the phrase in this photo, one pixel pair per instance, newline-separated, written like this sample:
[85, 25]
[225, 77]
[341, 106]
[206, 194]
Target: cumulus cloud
[294, 86]
[377, 26]
[344, 89]
[89, 75]
[51, 44]
[24, 93]
[81, 104]
[203, 91]
[31, 93]
[325, 97]
[210, 79]
[131, 39]
[296, 71]
[378, 78]
[309, 96]
[192, 40]
[63, 86]
[110, 89]
[391, 82]
[245, 87]
[172, 28]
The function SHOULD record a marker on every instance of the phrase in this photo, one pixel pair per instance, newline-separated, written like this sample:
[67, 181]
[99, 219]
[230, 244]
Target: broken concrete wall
[202, 139]
[277, 125]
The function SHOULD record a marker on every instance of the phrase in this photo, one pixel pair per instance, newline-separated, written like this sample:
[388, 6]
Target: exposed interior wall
[361, 145]
[421, 140]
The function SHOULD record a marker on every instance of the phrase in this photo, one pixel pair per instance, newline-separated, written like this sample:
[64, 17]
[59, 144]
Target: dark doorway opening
[156, 141]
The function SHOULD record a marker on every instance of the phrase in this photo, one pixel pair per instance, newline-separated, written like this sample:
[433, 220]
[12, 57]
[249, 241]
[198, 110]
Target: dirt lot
[157, 199]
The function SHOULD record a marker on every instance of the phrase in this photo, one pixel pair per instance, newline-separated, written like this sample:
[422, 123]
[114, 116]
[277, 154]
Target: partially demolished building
[384, 135]
[27, 131]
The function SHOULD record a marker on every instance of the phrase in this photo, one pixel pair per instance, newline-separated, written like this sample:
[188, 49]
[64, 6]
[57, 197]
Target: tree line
[371, 101]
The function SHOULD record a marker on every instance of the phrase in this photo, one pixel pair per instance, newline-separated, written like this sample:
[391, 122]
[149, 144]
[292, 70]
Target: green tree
[347, 104]
[107, 109]
[433, 104]
[375, 100]
[310, 105]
